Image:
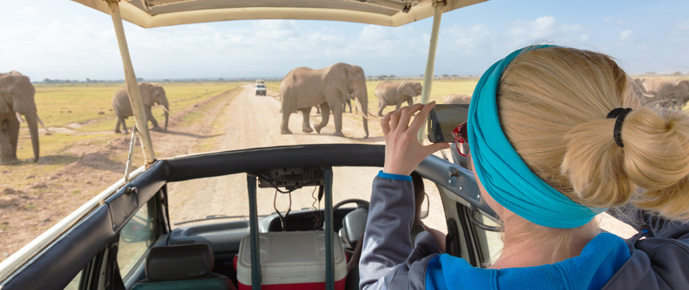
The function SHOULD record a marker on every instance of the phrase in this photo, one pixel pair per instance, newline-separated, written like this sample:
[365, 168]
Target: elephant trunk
[364, 110]
[32, 122]
[167, 114]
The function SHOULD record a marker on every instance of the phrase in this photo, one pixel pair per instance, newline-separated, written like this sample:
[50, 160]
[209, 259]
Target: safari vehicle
[260, 88]
[124, 238]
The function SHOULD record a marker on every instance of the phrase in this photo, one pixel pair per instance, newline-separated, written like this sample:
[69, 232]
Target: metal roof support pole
[329, 253]
[253, 231]
[430, 63]
[132, 84]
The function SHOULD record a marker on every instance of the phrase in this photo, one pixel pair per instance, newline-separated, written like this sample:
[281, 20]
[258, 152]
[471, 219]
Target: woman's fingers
[394, 120]
[385, 123]
[406, 113]
[421, 117]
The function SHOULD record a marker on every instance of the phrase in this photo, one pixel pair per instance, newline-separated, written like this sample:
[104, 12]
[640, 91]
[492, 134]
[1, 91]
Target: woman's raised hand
[403, 151]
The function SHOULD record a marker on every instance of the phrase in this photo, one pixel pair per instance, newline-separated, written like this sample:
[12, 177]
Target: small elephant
[151, 95]
[329, 87]
[458, 99]
[669, 94]
[396, 93]
[16, 99]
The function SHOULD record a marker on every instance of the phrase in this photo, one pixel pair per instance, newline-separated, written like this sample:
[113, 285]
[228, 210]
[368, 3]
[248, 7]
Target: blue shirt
[600, 259]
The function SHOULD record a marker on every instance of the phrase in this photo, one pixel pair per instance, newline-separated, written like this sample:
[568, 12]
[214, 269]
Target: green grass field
[87, 110]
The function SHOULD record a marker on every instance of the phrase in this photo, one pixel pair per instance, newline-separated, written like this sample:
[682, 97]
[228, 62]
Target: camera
[442, 119]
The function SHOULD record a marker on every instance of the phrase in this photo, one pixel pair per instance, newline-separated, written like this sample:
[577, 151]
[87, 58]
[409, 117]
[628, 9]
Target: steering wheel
[359, 203]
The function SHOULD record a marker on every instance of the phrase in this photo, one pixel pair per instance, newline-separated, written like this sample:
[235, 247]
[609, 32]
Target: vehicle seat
[182, 267]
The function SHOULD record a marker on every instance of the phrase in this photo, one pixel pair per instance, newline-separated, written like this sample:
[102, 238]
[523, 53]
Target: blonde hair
[553, 104]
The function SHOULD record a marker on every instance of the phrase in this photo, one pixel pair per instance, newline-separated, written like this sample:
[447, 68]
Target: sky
[60, 39]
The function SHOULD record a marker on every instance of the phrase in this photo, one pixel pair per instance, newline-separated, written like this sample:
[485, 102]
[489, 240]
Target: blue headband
[503, 173]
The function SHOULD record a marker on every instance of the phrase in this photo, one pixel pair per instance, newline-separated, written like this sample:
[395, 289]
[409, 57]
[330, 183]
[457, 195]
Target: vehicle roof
[157, 13]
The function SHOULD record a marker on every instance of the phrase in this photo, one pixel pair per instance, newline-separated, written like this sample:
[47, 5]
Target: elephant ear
[409, 89]
[418, 88]
[338, 77]
[146, 90]
[5, 98]
[25, 102]
[401, 88]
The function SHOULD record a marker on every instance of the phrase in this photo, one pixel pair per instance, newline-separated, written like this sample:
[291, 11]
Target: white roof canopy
[156, 13]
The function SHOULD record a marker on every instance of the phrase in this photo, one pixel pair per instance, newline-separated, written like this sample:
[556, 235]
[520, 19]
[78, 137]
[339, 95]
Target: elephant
[151, 94]
[670, 94]
[458, 99]
[16, 99]
[328, 87]
[396, 93]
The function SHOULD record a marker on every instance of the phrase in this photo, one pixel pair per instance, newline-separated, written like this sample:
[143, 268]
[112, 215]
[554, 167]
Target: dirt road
[253, 121]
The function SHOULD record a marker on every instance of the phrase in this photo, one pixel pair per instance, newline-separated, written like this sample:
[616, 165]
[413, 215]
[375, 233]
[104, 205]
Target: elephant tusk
[19, 117]
[166, 110]
[360, 113]
[44, 127]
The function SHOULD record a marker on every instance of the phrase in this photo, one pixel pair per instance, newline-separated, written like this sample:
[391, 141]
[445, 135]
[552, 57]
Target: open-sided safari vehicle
[123, 238]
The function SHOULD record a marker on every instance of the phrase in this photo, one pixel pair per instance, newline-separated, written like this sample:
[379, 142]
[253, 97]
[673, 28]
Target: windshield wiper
[216, 217]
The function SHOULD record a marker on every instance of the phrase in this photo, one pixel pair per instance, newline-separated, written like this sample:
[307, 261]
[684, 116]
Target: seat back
[182, 267]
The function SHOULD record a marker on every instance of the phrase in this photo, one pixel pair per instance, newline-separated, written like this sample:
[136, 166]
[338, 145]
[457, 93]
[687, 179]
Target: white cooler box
[291, 260]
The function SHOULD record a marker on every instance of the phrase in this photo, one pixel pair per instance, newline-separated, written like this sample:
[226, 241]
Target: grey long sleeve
[388, 260]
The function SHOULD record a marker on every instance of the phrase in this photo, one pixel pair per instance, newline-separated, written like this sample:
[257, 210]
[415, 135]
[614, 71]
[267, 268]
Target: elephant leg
[397, 107]
[124, 126]
[117, 125]
[344, 106]
[318, 109]
[306, 124]
[325, 117]
[13, 129]
[380, 111]
[284, 127]
[337, 115]
[410, 101]
[8, 153]
[149, 116]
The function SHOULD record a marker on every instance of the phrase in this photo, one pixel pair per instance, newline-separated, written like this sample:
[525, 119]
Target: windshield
[226, 196]
[203, 79]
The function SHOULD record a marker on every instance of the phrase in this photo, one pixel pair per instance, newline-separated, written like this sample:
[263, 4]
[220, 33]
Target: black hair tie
[619, 114]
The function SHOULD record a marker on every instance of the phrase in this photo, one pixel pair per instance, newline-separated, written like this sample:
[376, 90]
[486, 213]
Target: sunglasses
[461, 139]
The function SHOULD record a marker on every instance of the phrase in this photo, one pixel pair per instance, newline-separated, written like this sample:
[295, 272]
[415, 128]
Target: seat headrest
[179, 262]
[354, 224]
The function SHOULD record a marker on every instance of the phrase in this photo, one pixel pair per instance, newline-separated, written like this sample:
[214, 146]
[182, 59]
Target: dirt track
[253, 121]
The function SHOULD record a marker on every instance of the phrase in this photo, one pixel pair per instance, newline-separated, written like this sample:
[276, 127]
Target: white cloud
[680, 32]
[626, 34]
[31, 11]
[477, 38]
[542, 30]
[682, 24]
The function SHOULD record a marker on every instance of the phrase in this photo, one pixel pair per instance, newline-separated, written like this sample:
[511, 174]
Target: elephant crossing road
[329, 87]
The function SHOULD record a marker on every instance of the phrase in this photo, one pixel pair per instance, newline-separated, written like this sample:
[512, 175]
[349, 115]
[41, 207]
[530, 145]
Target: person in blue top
[554, 136]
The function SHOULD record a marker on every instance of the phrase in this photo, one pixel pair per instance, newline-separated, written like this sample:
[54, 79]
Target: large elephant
[16, 99]
[151, 95]
[329, 87]
[396, 93]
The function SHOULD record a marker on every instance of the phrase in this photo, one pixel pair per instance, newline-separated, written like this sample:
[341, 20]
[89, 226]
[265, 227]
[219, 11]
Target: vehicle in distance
[260, 88]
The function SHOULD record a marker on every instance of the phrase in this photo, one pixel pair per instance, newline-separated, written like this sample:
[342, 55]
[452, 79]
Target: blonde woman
[555, 136]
